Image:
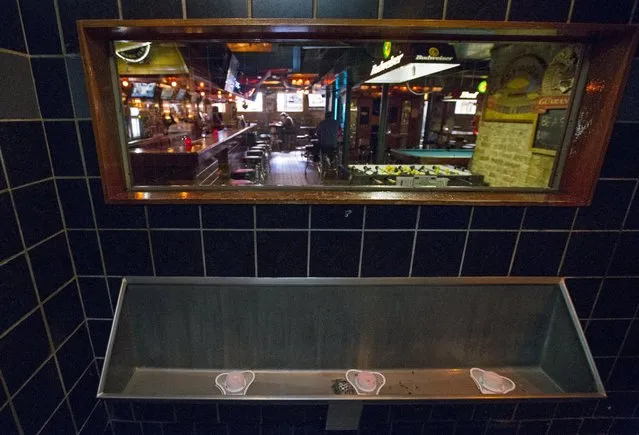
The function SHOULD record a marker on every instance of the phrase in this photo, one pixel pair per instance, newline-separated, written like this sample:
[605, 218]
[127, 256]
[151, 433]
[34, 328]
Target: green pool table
[439, 157]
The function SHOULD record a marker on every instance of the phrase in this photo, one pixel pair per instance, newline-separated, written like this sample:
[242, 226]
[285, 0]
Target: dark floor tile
[457, 412]
[384, 217]
[64, 147]
[98, 421]
[298, 415]
[72, 10]
[74, 357]
[229, 253]
[476, 10]
[115, 216]
[12, 349]
[216, 9]
[177, 253]
[86, 252]
[494, 411]
[575, 409]
[534, 427]
[21, 93]
[387, 253]
[152, 411]
[565, 426]
[76, 205]
[534, 410]
[278, 9]
[95, 297]
[210, 428]
[438, 253]
[79, 96]
[631, 344]
[488, 253]
[604, 367]
[3, 179]
[7, 422]
[11, 36]
[10, 243]
[618, 298]
[126, 252]
[64, 313]
[444, 217]
[588, 254]
[281, 429]
[622, 157]
[625, 426]
[626, 260]
[227, 216]
[40, 26]
[407, 427]
[51, 265]
[152, 429]
[24, 164]
[625, 375]
[196, 412]
[466, 428]
[120, 409]
[605, 336]
[99, 331]
[174, 216]
[431, 9]
[617, 405]
[588, 11]
[583, 292]
[351, 9]
[82, 398]
[50, 76]
[374, 414]
[89, 148]
[335, 253]
[539, 10]
[127, 428]
[629, 108]
[595, 426]
[281, 254]
[608, 207]
[632, 220]
[38, 211]
[549, 218]
[499, 427]
[239, 413]
[539, 254]
[282, 216]
[142, 9]
[497, 218]
[17, 295]
[38, 399]
[60, 423]
[337, 216]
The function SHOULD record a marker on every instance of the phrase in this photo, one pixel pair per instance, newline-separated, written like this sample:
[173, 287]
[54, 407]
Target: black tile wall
[42, 305]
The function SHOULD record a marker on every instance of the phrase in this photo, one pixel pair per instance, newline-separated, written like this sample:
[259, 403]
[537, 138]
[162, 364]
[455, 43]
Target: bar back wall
[63, 251]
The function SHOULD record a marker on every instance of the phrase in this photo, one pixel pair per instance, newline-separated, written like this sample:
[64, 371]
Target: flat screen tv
[167, 93]
[143, 90]
[231, 84]
[180, 94]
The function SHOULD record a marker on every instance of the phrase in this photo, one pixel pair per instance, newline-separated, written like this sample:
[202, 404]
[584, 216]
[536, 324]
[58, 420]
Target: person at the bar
[327, 132]
[288, 131]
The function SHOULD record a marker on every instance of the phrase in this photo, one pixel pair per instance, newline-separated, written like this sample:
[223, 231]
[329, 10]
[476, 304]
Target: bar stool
[241, 183]
[262, 154]
[263, 148]
[255, 162]
[245, 174]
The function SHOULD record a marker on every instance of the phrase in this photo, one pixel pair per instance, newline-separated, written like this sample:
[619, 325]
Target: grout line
[31, 183]
[521, 225]
[380, 9]
[48, 238]
[361, 245]
[120, 9]
[14, 52]
[184, 9]
[463, 257]
[632, 12]
[444, 7]
[9, 403]
[97, 403]
[148, 233]
[508, 7]
[412, 254]
[199, 207]
[255, 240]
[570, 11]
[563, 254]
[249, 7]
[314, 8]
[56, 9]
[308, 243]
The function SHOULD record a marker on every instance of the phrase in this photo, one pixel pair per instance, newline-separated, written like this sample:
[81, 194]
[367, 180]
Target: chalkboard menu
[550, 131]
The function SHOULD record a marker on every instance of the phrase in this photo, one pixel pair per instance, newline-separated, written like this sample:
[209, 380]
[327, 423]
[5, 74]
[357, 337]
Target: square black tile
[432, 9]
[282, 254]
[625, 426]
[86, 252]
[282, 216]
[631, 345]
[51, 265]
[630, 102]
[115, 216]
[622, 157]
[17, 295]
[604, 367]
[539, 253]
[227, 216]
[128, 428]
[239, 413]
[10, 243]
[539, 10]
[95, 297]
[229, 253]
[60, 422]
[126, 252]
[64, 147]
[498, 427]
[24, 164]
[335, 253]
[618, 298]
[565, 426]
[617, 405]
[440, 428]
[174, 216]
[216, 9]
[488, 253]
[76, 205]
[7, 422]
[387, 253]
[575, 409]
[64, 313]
[177, 253]
[374, 415]
[40, 26]
[632, 220]
[89, 148]
[11, 36]
[16, 69]
[196, 412]
[150, 411]
[386, 217]
[3, 179]
[605, 336]
[583, 292]
[549, 218]
[494, 411]
[534, 410]
[279, 9]
[78, 86]
[626, 260]
[72, 10]
[99, 331]
[588, 11]
[497, 218]
[476, 10]
[465, 428]
[50, 76]
[39, 398]
[595, 426]
[177, 428]
[82, 398]
[143, 9]
[152, 429]
[74, 357]
[625, 375]
[120, 409]
[458, 412]
[444, 217]
[608, 207]
[438, 253]
[337, 216]
[351, 9]
[12, 349]
[207, 427]
[38, 211]
[534, 427]
[588, 254]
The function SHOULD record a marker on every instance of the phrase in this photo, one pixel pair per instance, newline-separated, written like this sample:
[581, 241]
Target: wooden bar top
[207, 143]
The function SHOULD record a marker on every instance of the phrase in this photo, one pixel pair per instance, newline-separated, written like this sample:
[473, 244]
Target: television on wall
[143, 90]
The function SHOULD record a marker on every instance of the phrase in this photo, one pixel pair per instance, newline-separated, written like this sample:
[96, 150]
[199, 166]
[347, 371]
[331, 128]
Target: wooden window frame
[612, 48]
